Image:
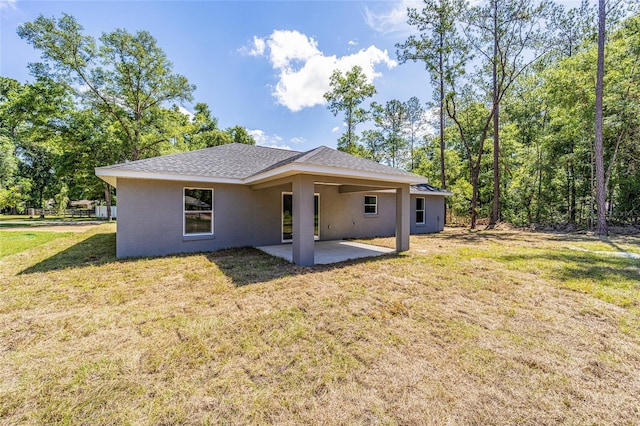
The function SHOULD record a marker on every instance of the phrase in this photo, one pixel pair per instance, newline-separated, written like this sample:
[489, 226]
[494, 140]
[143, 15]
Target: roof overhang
[111, 175]
[440, 193]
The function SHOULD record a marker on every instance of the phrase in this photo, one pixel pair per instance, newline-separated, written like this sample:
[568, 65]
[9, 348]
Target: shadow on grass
[98, 249]
[242, 265]
[251, 266]
[568, 265]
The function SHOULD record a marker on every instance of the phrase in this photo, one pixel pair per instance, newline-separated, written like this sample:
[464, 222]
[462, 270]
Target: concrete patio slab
[330, 251]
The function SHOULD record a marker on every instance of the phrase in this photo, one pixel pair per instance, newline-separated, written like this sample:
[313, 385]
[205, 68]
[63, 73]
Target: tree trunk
[599, 145]
[474, 200]
[107, 197]
[443, 178]
[495, 213]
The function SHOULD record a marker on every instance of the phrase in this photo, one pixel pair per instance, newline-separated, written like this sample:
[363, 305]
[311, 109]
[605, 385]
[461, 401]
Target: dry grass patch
[467, 328]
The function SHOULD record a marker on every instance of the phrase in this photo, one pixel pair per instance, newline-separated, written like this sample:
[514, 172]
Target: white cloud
[335, 129]
[304, 70]
[352, 43]
[297, 140]
[8, 4]
[270, 141]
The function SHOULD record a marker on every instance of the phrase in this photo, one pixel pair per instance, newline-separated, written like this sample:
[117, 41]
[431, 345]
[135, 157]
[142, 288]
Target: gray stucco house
[242, 195]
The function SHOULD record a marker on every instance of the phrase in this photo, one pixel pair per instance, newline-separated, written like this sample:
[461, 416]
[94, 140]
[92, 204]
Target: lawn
[14, 242]
[488, 327]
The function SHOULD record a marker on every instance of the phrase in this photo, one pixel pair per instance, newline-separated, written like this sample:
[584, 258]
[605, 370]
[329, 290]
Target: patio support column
[403, 208]
[303, 210]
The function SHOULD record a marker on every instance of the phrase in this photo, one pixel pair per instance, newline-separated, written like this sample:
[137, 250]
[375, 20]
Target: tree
[415, 125]
[472, 120]
[509, 35]
[390, 120]
[442, 50]
[127, 78]
[598, 148]
[348, 92]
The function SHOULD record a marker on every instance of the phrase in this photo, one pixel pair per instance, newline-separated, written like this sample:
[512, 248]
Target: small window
[420, 211]
[198, 211]
[370, 204]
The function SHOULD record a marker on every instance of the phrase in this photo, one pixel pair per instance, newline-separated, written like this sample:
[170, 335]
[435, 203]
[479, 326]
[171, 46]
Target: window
[370, 205]
[198, 211]
[420, 211]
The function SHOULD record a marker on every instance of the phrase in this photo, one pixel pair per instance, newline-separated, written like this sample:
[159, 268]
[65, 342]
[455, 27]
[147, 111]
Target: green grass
[466, 328]
[15, 242]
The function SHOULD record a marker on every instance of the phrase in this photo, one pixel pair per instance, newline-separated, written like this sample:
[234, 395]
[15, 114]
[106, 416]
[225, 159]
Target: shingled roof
[240, 163]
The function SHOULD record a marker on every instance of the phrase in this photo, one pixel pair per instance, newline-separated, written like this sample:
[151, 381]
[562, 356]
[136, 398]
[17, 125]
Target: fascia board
[291, 169]
[107, 174]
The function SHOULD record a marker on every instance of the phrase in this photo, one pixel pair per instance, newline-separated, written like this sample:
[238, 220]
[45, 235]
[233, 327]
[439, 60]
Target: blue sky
[260, 64]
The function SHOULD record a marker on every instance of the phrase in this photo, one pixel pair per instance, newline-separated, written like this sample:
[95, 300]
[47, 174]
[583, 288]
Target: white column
[403, 209]
[303, 242]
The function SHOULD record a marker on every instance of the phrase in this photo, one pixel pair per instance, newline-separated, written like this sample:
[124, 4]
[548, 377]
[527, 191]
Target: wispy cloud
[304, 70]
[391, 20]
[8, 4]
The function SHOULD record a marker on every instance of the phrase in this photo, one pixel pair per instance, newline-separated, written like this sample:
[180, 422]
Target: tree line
[515, 111]
[92, 103]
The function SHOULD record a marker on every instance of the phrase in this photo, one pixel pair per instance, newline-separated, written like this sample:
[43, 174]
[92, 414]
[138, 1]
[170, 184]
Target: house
[242, 195]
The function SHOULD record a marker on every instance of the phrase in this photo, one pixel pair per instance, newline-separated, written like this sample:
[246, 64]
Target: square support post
[303, 210]
[403, 208]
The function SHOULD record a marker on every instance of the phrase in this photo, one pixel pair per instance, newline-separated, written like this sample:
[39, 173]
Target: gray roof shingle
[225, 161]
[240, 161]
[428, 189]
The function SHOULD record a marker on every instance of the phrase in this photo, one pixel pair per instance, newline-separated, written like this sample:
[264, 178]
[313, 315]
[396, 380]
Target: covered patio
[326, 252]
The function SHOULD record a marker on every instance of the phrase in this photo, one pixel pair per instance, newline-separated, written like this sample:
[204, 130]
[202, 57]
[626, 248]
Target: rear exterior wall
[150, 217]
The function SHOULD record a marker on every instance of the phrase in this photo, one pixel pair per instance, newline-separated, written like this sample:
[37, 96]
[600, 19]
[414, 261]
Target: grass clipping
[466, 328]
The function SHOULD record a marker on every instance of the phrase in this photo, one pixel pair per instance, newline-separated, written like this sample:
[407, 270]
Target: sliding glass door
[287, 216]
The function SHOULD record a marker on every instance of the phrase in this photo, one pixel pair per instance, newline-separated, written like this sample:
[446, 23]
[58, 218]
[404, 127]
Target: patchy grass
[15, 242]
[466, 328]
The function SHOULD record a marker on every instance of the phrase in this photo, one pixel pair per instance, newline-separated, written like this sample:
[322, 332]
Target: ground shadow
[98, 249]
[251, 266]
[572, 265]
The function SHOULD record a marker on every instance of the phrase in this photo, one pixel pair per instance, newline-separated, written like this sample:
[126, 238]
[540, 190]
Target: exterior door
[287, 217]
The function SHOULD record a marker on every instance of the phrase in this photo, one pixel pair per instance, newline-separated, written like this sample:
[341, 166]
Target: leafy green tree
[599, 143]
[509, 35]
[415, 127]
[390, 120]
[442, 50]
[348, 92]
[127, 78]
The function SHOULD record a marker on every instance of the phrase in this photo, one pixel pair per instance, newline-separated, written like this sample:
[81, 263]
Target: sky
[264, 65]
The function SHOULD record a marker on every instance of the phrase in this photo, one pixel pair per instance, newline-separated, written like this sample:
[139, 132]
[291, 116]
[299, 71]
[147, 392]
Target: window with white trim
[197, 211]
[370, 205]
[419, 210]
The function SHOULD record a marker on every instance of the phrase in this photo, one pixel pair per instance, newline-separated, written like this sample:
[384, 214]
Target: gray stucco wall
[150, 217]
[342, 215]
[433, 214]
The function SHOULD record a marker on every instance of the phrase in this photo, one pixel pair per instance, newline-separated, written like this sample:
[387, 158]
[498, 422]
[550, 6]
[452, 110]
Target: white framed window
[420, 211]
[370, 205]
[197, 211]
